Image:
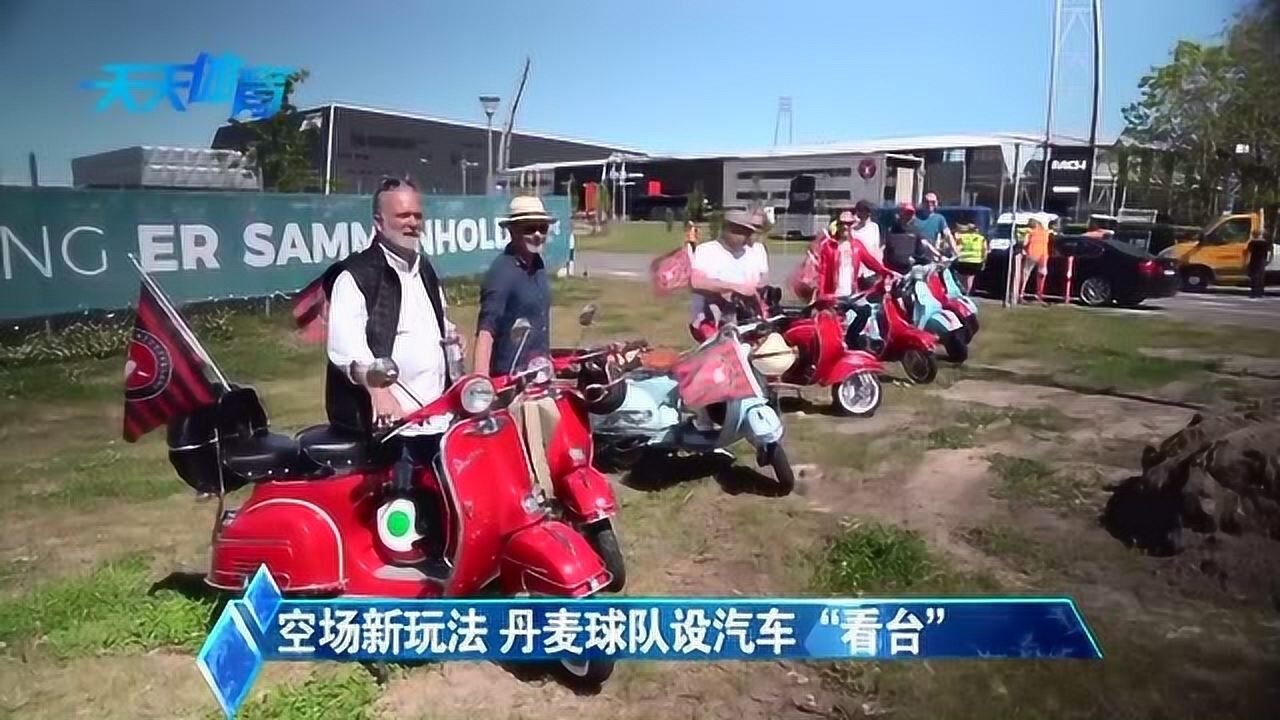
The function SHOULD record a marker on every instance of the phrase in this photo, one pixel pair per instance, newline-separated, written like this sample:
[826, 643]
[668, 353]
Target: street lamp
[466, 164]
[490, 105]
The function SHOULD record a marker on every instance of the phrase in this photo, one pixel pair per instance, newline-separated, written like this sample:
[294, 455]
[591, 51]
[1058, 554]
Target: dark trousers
[1257, 278]
[853, 336]
[420, 451]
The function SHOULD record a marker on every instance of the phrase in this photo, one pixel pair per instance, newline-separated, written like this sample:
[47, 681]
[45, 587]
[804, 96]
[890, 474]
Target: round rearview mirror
[382, 373]
[520, 328]
[588, 314]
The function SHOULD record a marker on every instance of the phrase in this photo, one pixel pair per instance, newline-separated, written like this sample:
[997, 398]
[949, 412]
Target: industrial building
[960, 169]
[356, 146]
[151, 167]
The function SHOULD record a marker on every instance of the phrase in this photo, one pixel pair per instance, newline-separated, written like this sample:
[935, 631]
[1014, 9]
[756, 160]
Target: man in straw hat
[724, 266]
[516, 286]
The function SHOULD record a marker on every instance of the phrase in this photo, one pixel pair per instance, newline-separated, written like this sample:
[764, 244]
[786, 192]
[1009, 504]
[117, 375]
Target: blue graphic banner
[263, 626]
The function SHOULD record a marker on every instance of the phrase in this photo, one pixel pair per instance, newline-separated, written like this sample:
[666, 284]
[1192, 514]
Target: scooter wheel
[921, 367]
[782, 470]
[957, 347]
[605, 541]
[858, 395]
[586, 674]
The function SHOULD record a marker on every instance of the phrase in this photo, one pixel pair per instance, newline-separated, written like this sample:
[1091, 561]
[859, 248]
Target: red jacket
[828, 255]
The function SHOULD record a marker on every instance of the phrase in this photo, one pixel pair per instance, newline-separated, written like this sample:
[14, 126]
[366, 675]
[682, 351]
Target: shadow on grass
[658, 471]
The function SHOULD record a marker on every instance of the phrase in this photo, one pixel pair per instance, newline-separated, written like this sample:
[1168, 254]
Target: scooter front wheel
[921, 366]
[587, 674]
[782, 470]
[957, 347]
[857, 395]
[605, 541]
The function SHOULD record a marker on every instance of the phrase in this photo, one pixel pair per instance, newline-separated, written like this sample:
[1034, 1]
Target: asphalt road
[1221, 306]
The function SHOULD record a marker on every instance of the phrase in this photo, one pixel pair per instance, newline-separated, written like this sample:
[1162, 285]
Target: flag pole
[178, 322]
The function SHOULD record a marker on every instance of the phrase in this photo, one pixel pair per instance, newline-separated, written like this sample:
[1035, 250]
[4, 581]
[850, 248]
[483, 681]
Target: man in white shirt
[866, 231]
[728, 265]
[386, 302]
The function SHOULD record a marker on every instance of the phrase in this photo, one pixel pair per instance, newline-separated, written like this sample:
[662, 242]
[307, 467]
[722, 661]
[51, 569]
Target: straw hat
[526, 208]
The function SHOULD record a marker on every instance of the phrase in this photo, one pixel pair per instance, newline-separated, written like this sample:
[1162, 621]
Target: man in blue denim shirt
[515, 287]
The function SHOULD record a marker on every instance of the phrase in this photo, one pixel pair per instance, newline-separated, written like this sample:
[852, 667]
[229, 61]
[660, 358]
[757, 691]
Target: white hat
[526, 207]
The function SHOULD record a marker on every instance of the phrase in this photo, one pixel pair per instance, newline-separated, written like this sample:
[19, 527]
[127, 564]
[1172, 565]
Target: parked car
[1106, 271]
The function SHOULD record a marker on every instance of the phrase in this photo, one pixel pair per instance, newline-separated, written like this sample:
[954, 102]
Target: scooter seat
[338, 450]
[267, 455]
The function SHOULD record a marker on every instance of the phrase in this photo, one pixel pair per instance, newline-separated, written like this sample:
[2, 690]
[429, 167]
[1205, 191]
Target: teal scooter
[928, 313]
[640, 411]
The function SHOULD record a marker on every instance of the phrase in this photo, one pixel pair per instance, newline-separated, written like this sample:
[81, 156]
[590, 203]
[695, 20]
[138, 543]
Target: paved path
[1222, 306]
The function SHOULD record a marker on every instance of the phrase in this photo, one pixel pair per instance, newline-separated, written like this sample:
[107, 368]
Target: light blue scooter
[928, 314]
[649, 415]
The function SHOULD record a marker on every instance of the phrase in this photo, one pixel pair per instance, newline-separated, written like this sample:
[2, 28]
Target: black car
[1106, 271]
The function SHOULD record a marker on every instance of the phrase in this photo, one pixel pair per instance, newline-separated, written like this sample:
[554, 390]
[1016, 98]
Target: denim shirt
[511, 291]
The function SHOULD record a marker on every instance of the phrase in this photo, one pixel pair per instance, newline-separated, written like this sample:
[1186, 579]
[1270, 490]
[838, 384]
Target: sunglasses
[534, 228]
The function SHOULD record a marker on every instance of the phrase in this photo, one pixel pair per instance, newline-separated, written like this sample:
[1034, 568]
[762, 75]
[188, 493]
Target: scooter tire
[957, 347]
[605, 541]
[782, 470]
[921, 367]
[585, 674]
[842, 409]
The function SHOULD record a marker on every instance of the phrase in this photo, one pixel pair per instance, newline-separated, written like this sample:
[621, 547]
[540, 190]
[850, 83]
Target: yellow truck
[1217, 254]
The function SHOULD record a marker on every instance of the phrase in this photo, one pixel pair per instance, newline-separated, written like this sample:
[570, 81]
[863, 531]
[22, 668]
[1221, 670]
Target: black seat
[343, 451]
[267, 455]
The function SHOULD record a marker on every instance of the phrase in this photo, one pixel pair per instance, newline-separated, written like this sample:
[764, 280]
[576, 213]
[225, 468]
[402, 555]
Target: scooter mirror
[588, 315]
[381, 373]
[519, 329]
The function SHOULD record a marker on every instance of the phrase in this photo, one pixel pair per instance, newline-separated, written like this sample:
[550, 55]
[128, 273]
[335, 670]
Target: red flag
[671, 272]
[713, 374]
[311, 312]
[163, 372]
[804, 279]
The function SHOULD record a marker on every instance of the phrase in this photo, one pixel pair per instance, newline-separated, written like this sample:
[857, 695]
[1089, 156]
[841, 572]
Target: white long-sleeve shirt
[417, 350]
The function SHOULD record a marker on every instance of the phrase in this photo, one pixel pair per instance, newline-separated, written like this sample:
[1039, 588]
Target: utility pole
[1048, 125]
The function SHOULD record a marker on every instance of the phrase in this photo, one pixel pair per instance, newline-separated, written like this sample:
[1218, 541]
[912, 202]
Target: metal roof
[853, 147]
[461, 123]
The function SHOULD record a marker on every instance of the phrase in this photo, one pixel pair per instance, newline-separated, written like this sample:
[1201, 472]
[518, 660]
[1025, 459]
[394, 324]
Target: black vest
[348, 405]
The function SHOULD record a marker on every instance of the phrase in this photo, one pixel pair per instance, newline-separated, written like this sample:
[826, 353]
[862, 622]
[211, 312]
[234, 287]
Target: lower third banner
[263, 626]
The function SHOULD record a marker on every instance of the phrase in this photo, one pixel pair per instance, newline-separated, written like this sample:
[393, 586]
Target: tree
[1205, 106]
[280, 148]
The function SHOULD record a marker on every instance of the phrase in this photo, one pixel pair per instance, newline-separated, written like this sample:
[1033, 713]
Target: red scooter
[899, 339]
[325, 519]
[816, 336]
[557, 412]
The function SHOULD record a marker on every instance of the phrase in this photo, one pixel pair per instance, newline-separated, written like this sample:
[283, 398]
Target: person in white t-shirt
[866, 231]
[728, 265]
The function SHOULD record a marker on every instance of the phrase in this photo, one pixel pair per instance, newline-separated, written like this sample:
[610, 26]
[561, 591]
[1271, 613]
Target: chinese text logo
[257, 90]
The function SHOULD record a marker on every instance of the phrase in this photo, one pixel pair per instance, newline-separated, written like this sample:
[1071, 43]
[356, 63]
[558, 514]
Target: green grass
[952, 437]
[348, 693]
[635, 237]
[874, 558]
[106, 612]
[1026, 480]
[82, 479]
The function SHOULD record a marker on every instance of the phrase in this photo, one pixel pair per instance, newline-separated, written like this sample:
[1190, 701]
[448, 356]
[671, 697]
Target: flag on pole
[671, 272]
[311, 312]
[164, 372]
[713, 374]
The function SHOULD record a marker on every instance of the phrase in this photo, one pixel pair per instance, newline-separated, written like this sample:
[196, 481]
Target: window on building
[954, 155]
[750, 175]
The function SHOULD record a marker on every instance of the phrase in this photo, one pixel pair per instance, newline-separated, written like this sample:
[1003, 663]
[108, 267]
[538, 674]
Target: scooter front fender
[550, 558]
[854, 361]
[759, 422]
[943, 322]
[586, 494]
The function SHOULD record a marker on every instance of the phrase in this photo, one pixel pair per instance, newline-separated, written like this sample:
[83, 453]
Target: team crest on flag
[149, 367]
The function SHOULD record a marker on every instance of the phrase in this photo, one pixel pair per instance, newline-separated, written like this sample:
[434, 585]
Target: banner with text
[264, 626]
[64, 250]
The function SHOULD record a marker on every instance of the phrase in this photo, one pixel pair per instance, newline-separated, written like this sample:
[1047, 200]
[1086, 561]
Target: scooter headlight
[477, 396]
[541, 370]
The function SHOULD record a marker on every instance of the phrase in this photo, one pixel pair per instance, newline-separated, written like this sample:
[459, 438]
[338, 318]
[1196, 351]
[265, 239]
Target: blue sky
[660, 75]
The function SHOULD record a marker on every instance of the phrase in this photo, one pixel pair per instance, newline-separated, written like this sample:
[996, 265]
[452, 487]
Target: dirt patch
[43, 546]
[147, 686]
[1096, 414]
